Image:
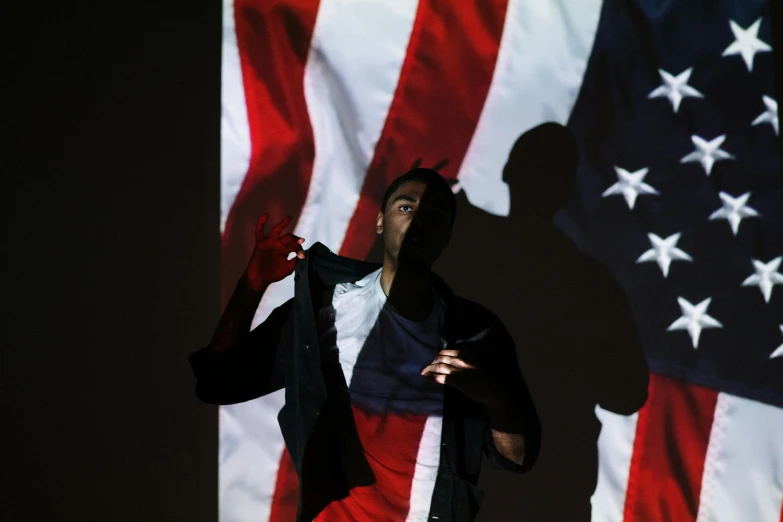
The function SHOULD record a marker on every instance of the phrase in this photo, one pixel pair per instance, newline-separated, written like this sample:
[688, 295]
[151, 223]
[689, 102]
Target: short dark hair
[429, 177]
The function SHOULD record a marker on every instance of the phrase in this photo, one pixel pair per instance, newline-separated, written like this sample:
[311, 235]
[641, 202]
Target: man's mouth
[418, 244]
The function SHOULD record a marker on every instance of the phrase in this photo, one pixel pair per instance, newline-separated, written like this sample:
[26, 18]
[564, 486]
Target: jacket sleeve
[506, 366]
[253, 368]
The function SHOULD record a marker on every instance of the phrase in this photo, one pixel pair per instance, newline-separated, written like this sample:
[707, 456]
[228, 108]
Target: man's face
[416, 226]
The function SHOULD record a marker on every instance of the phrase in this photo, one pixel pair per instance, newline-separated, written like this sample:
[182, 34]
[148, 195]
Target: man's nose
[419, 223]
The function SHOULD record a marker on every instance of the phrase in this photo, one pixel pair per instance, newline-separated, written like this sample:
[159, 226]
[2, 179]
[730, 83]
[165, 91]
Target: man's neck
[408, 290]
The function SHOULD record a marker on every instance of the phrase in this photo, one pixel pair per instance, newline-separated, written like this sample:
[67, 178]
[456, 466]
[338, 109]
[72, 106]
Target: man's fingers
[453, 361]
[427, 369]
[294, 245]
[440, 367]
[278, 229]
[260, 225]
[442, 163]
[466, 356]
[290, 239]
[443, 378]
[291, 264]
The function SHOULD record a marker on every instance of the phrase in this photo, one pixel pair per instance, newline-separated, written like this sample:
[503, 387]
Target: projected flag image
[612, 169]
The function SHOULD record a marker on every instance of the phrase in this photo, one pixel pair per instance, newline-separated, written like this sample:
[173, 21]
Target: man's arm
[509, 444]
[235, 322]
[510, 433]
[515, 429]
[240, 365]
[492, 378]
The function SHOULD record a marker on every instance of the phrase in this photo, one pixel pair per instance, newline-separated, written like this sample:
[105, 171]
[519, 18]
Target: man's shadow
[575, 336]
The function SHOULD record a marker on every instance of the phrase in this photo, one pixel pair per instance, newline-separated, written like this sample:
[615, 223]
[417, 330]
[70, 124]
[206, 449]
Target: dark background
[111, 260]
[111, 268]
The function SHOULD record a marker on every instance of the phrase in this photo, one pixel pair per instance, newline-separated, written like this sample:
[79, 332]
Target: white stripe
[250, 449]
[250, 440]
[426, 471]
[743, 468]
[352, 71]
[351, 74]
[234, 127]
[615, 448]
[540, 66]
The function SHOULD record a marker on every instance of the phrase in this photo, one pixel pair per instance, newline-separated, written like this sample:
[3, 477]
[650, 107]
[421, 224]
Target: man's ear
[379, 223]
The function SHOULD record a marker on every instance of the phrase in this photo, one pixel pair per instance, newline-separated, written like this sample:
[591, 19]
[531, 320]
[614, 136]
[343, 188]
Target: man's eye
[405, 206]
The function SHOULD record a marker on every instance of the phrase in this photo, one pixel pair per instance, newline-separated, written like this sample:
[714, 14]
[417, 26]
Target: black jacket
[316, 421]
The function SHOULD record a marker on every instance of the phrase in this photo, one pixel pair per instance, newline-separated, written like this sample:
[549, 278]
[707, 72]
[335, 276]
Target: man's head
[541, 171]
[416, 217]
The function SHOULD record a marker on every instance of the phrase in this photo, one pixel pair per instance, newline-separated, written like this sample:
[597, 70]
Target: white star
[694, 319]
[734, 210]
[630, 185]
[746, 42]
[675, 88]
[779, 350]
[770, 115]
[766, 276]
[707, 152]
[664, 251]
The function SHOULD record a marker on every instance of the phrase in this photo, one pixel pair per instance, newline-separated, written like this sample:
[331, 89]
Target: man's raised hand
[269, 262]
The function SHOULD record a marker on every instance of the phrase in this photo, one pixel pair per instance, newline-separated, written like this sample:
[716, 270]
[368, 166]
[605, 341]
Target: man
[394, 385]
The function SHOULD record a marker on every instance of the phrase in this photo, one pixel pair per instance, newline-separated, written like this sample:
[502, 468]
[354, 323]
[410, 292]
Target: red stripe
[443, 83]
[669, 451]
[392, 458]
[273, 37]
[286, 498]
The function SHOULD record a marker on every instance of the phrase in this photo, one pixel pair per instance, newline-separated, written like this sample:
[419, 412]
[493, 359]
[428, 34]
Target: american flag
[679, 193]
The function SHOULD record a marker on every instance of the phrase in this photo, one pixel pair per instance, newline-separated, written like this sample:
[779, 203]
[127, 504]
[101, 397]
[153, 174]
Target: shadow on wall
[576, 339]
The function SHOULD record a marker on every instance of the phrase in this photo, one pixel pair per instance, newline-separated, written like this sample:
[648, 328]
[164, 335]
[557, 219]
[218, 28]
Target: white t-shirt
[398, 412]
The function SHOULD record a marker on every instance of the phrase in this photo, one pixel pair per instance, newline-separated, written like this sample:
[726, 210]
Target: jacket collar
[333, 269]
